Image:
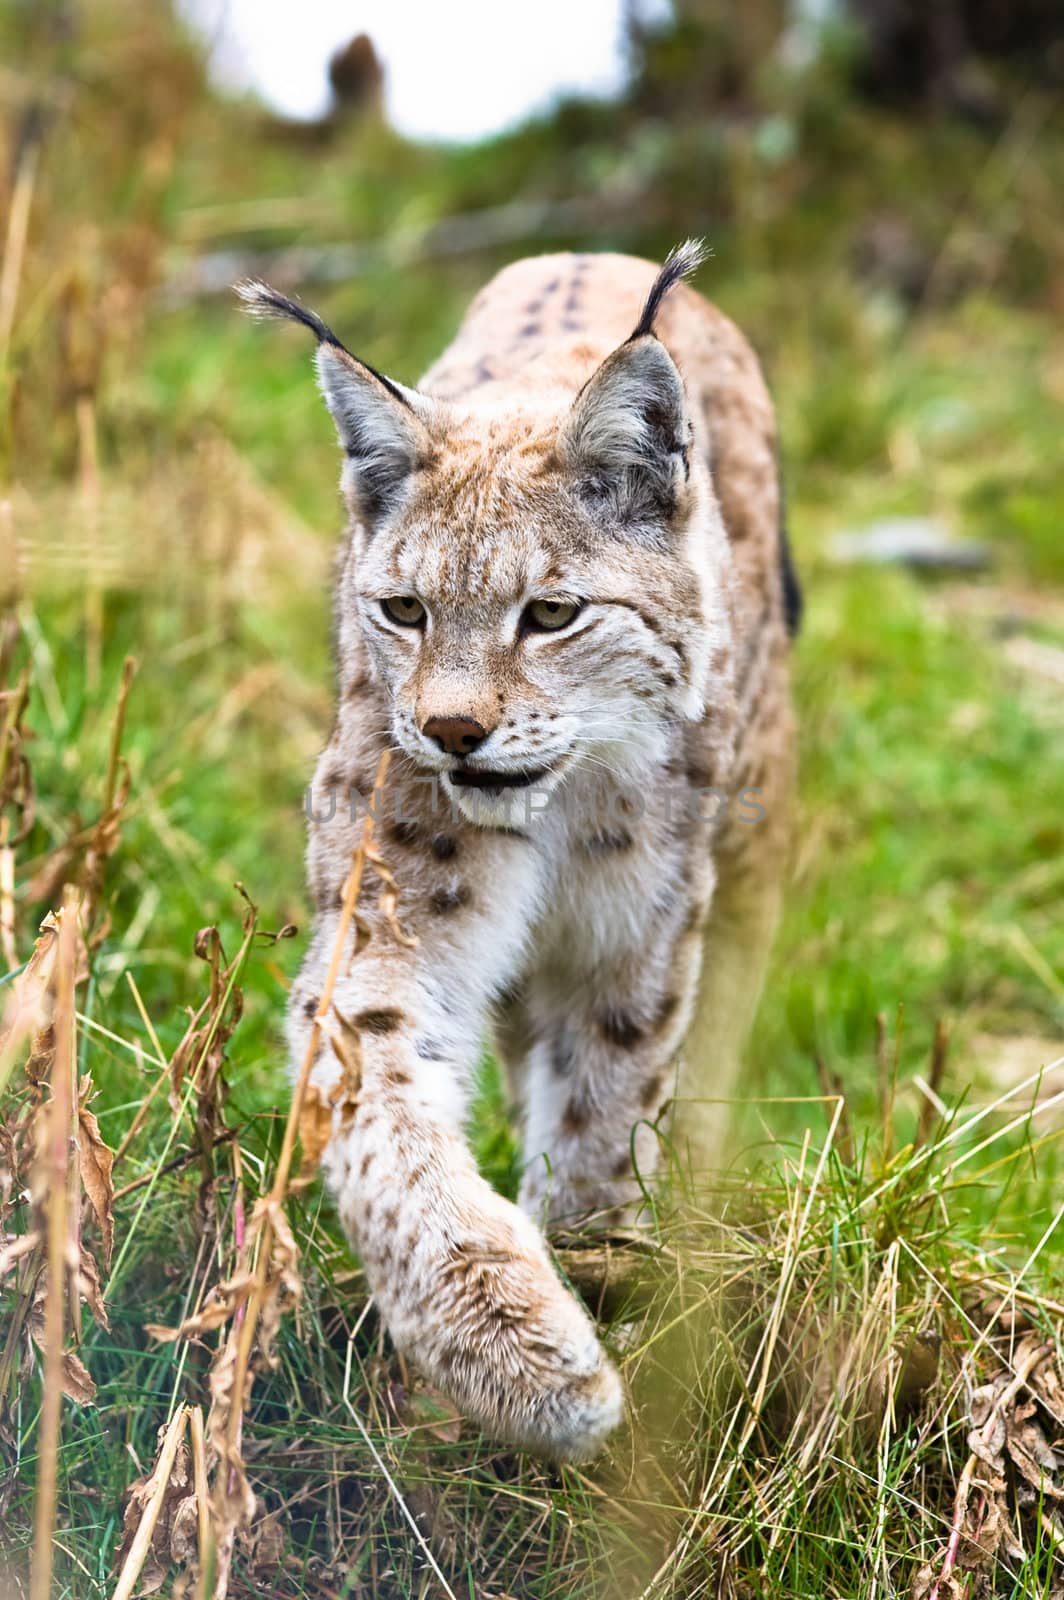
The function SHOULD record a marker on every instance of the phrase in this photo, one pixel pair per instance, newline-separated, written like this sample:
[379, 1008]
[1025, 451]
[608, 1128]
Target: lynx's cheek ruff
[564, 580]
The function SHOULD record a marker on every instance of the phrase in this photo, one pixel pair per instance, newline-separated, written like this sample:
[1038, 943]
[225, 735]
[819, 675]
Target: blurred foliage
[899, 277]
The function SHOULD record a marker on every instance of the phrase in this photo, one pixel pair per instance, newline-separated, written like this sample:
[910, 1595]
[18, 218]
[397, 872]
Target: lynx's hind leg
[753, 864]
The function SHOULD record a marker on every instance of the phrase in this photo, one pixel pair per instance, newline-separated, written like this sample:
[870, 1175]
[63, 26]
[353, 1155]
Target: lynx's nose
[458, 736]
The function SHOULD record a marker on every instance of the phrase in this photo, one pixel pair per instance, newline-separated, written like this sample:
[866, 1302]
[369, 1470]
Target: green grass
[927, 887]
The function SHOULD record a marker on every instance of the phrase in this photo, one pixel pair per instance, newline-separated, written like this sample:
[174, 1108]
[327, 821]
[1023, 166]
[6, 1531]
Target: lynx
[565, 603]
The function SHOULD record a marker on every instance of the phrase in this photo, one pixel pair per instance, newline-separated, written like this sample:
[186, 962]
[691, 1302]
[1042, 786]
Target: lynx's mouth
[496, 797]
[484, 778]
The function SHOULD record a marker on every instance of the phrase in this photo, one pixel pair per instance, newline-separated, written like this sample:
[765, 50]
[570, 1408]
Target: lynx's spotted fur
[564, 603]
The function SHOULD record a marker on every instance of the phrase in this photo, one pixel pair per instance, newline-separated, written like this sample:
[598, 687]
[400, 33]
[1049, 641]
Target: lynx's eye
[547, 616]
[404, 609]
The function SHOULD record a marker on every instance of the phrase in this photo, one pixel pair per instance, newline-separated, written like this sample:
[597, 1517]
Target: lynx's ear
[382, 426]
[629, 435]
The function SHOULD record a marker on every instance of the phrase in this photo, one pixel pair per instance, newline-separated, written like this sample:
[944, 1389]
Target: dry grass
[805, 1357]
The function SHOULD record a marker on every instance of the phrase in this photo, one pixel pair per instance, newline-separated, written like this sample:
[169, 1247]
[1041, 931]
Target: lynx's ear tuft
[381, 425]
[678, 265]
[260, 300]
[628, 435]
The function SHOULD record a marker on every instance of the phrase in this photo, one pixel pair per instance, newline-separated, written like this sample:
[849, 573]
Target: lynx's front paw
[489, 1321]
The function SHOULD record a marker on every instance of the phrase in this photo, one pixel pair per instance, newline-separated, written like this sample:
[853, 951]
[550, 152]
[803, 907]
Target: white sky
[455, 69]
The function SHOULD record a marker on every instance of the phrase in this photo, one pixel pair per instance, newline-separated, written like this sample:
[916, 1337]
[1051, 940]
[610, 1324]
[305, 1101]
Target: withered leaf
[987, 1439]
[9, 1161]
[184, 1529]
[75, 1377]
[219, 1306]
[263, 1545]
[14, 1246]
[41, 1056]
[207, 943]
[95, 1162]
[25, 1012]
[233, 1494]
[89, 1285]
[175, 1493]
[1011, 1471]
[956, 1585]
[152, 1576]
[1047, 1382]
[1031, 1453]
[284, 1286]
[77, 1380]
[986, 1527]
[389, 899]
[347, 1047]
[315, 1131]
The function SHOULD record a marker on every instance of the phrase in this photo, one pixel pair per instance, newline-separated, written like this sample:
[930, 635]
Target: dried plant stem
[929, 1106]
[279, 1187]
[16, 706]
[57, 1159]
[832, 1087]
[149, 1026]
[18, 225]
[889, 1087]
[104, 836]
[199, 1483]
[288, 1144]
[236, 1434]
[234, 969]
[160, 1478]
[382, 1468]
[164, 1076]
[8, 951]
[455, 235]
[141, 1113]
[882, 1058]
[1014, 1291]
[89, 484]
[129, 667]
[611, 1276]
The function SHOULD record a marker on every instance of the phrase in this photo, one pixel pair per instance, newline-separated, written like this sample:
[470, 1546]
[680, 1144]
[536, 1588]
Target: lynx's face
[534, 586]
[522, 623]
